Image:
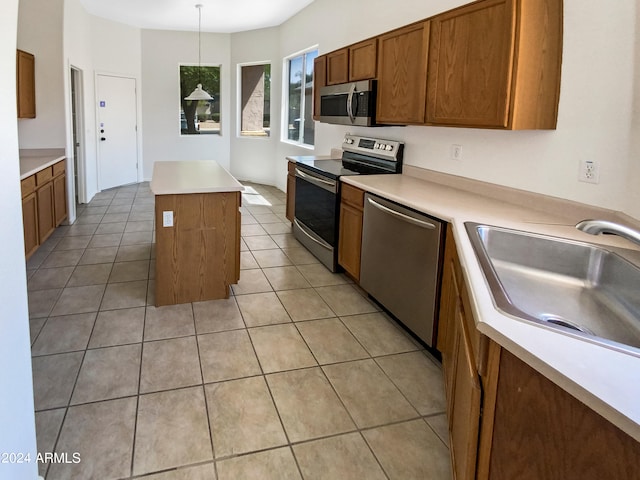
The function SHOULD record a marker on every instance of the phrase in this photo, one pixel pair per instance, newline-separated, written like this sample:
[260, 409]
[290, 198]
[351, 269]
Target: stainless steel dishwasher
[401, 263]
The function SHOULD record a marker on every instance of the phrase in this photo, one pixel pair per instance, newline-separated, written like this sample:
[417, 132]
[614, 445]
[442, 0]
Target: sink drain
[563, 322]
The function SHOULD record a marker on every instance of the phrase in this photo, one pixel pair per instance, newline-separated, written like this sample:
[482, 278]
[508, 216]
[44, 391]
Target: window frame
[219, 94]
[284, 125]
[239, 99]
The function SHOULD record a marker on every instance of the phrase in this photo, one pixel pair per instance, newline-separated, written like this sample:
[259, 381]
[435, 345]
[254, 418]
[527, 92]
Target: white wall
[94, 45]
[255, 158]
[40, 33]
[162, 54]
[595, 103]
[17, 424]
[596, 118]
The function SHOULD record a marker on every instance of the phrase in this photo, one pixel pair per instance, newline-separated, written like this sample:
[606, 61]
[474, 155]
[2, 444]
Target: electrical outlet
[589, 171]
[456, 152]
[167, 219]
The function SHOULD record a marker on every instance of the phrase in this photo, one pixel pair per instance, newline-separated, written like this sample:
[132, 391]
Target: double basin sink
[574, 288]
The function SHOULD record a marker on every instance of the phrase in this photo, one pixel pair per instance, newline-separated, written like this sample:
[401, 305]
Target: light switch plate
[167, 218]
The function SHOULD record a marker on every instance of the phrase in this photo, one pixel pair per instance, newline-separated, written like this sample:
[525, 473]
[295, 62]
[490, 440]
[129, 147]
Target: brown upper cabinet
[487, 64]
[496, 64]
[338, 67]
[402, 75]
[25, 84]
[319, 81]
[362, 60]
[352, 63]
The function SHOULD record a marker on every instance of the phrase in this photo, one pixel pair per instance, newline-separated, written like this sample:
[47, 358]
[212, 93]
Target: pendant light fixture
[199, 93]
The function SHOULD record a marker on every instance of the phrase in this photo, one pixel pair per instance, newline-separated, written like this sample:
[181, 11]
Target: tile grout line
[262, 374]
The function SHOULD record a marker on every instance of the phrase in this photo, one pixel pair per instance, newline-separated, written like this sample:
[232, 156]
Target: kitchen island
[197, 214]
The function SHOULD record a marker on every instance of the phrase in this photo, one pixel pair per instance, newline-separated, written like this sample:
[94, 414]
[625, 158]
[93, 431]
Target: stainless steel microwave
[351, 103]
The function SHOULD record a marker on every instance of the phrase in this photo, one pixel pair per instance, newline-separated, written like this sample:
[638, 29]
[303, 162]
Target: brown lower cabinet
[350, 229]
[291, 191]
[44, 205]
[508, 421]
[30, 223]
[46, 214]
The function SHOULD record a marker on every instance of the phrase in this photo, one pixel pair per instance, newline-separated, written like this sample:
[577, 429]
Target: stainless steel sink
[576, 288]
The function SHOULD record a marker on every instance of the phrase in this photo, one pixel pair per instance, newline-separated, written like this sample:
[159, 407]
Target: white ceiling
[223, 16]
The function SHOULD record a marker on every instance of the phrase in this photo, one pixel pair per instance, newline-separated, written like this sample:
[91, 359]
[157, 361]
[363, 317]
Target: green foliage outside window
[199, 117]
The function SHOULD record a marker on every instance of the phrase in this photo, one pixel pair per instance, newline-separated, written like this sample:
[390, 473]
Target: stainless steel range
[317, 197]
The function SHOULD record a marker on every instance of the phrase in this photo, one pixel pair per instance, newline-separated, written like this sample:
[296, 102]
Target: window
[255, 100]
[299, 126]
[199, 117]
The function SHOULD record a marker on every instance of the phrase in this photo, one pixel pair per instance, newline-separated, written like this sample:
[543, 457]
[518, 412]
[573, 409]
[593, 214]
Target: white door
[117, 136]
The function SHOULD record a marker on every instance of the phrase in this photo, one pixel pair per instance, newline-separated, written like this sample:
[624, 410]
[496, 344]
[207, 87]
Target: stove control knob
[349, 140]
[389, 148]
[376, 146]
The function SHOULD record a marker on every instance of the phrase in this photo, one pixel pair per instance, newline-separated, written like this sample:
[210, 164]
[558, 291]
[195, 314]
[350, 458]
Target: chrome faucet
[594, 227]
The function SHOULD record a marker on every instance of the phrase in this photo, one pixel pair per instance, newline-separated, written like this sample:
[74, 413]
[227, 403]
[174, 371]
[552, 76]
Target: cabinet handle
[402, 216]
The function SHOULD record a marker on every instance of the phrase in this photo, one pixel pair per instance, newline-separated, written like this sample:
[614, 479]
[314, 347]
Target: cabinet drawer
[352, 195]
[43, 176]
[28, 185]
[58, 168]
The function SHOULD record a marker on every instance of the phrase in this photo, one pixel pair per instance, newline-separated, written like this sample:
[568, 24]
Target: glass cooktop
[331, 168]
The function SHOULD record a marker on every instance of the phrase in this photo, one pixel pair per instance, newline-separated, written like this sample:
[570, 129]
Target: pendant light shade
[199, 93]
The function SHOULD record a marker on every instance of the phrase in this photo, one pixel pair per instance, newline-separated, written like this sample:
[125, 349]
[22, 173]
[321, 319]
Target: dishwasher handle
[402, 216]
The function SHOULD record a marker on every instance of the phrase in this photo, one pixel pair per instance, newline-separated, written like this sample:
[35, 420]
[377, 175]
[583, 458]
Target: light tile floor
[296, 375]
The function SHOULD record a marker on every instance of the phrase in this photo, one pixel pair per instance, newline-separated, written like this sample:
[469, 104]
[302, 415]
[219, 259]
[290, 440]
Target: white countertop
[32, 161]
[606, 380]
[193, 176]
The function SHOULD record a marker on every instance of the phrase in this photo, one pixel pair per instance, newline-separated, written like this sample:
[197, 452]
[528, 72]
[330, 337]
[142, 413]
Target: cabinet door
[30, 223]
[350, 241]
[464, 419]
[25, 84]
[319, 81]
[338, 67]
[362, 60]
[46, 218]
[402, 75]
[535, 419]
[449, 305]
[60, 198]
[470, 65]
[462, 381]
[291, 192]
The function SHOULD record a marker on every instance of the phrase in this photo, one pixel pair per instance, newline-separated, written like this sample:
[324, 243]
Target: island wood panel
[199, 257]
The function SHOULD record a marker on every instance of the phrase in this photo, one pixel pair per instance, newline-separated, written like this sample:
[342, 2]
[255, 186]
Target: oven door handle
[304, 230]
[402, 216]
[352, 90]
[314, 179]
